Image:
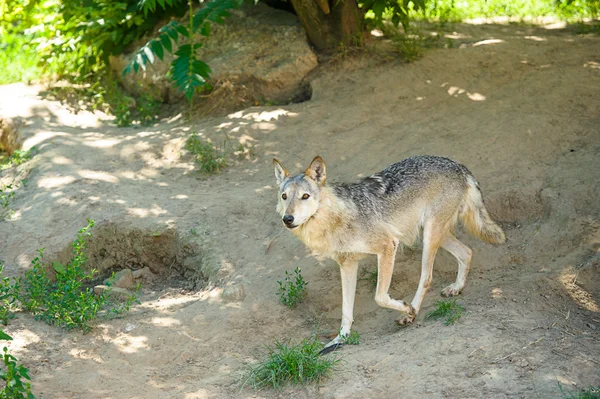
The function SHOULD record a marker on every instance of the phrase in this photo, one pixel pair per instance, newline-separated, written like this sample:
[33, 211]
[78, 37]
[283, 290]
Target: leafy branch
[187, 71]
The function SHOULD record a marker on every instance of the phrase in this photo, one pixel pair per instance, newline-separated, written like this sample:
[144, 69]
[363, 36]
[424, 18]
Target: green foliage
[187, 71]
[590, 393]
[453, 11]
[295, 364]
[66, 301]
[16, 158]
[210, 157]
[371, 277]
[292, 292]
[9, 294]
[6, 195]
[449, 310]
[14, 375]
[352, 339]
[18, 59]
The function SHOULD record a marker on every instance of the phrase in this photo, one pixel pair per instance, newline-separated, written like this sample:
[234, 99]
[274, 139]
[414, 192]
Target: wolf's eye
[284, 196]
[305, 196]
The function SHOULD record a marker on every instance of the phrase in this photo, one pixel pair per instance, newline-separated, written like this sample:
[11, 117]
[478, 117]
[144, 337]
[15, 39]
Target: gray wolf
[420, 196]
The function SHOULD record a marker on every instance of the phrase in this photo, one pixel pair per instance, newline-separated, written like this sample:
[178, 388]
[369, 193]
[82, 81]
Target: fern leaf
[156, 47]
[214, 11]
[187, 71]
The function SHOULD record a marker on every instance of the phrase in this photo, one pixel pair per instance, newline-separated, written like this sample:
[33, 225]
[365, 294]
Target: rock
[233, 293]
[121, 279]
[144, 273]
[259, 53]
[115, 292]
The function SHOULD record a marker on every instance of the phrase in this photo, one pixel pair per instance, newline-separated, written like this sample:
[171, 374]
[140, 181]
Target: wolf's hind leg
[349, 275]
[433, 234]
[385, 269]
[463, 254]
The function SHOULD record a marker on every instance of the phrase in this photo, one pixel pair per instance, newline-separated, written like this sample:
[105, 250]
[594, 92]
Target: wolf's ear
[316, 170]
[280, 172]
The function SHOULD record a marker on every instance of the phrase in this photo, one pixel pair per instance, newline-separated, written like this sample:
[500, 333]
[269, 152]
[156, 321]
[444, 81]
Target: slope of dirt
[520, 107]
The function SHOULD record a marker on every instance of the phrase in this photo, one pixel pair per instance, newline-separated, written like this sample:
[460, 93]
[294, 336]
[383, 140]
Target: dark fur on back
[401, 179]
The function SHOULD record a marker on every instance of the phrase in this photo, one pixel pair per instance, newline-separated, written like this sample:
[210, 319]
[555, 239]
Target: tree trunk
[330, 23]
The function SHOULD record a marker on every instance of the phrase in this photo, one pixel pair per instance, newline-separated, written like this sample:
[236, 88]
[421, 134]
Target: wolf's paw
[334, 344]
[451, 290]
[407, 318]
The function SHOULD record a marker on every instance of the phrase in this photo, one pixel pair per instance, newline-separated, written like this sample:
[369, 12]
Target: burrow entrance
[172, 260]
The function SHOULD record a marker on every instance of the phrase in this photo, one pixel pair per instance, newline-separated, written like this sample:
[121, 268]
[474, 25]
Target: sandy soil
[522, 111]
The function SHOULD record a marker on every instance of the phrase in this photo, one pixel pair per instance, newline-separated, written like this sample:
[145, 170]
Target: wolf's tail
[476, 218]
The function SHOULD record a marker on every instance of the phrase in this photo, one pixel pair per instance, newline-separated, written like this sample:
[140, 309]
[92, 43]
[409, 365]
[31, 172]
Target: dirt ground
[519, 106]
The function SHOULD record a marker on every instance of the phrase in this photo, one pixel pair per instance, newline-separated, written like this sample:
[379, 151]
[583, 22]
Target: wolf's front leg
[349, 275]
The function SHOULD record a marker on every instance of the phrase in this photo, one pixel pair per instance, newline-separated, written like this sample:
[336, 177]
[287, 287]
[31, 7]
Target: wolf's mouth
[291, 226]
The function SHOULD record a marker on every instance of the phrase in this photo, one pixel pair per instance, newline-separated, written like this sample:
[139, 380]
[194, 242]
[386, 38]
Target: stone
[121, 279]
[233, 293]
[115, 292]
[142, 273]
[259, 51]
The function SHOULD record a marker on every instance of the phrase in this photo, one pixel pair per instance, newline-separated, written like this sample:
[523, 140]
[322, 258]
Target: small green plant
[371, 277]
[292, 292]
[295, 364]
[66, 301]
[16, 158]
[450, 310]
[9, 295]
[210, 157]
[14, 374]
[352, 339]
[6, 195]
[590, 393]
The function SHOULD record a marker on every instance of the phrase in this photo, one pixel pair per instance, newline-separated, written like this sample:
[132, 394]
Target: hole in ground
[162, 259]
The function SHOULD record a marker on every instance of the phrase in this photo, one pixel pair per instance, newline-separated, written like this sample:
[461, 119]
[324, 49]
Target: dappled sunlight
[581, 297]
[155, 210]
[263, 189]
[41, 137]
[488, 42]
[84, 354]
[101, 143]
[60, 160]
[263, 116]
[165, 322]
[166, 303]
[55, 182]
[98, 175]
[21, 339]
[129, 344]
[592, 65]
[199, 394]
[536, 38]
[455, 91]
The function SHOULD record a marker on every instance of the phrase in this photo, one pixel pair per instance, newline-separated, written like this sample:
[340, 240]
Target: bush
[67, 302]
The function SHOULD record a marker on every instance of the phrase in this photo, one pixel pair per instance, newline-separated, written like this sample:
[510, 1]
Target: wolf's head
[299, 195]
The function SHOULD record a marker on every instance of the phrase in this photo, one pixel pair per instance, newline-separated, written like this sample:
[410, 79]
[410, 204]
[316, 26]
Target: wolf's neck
[322, 231]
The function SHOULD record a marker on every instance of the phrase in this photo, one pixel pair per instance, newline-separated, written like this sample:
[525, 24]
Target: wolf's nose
[288, 219]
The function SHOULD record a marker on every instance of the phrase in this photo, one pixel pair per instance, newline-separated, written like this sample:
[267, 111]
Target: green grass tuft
[292, 292]
[449, 310]
[290, 364]
[590, 393]
[209, 157]
[352, 339]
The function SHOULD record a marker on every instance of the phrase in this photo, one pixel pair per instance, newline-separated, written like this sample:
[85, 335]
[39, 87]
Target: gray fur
[345, 221]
